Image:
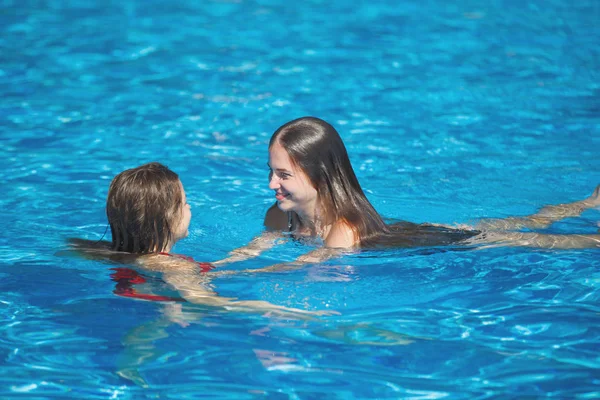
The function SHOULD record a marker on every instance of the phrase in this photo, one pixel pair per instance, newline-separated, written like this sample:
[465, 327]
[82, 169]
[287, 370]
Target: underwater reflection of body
[148, 214]
[318, 196]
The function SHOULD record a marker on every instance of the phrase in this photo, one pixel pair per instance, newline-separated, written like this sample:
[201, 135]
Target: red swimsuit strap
[126, 278]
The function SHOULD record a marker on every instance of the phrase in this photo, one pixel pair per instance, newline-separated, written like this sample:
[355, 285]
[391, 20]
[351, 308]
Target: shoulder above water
[341, 236]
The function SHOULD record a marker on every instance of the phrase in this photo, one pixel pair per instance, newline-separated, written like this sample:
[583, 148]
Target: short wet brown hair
[142, 207]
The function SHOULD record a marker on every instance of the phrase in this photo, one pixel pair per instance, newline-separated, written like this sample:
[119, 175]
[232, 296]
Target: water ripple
[449, 113]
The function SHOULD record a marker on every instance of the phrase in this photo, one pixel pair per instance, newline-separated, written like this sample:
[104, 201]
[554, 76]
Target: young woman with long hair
[318, 195]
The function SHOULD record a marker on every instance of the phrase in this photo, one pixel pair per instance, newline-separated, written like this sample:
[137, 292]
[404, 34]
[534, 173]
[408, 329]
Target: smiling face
[293, 189]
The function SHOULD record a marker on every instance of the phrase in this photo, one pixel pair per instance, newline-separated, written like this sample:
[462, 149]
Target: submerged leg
[543, 218]
[532, 239]
[140, 348]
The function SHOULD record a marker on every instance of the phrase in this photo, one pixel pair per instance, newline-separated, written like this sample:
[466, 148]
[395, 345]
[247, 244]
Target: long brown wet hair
[317, 148]
[142, 207]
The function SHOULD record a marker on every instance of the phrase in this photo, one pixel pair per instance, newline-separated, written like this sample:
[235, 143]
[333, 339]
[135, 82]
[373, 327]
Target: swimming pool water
[450, 112]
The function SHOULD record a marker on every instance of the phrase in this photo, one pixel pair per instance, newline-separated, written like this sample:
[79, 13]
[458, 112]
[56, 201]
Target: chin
[284, 206]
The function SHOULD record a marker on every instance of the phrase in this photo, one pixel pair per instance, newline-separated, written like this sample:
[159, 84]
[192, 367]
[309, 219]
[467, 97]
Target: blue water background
[450, 112]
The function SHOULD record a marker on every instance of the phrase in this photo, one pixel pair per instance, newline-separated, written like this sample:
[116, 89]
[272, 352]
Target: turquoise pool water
[450, 112]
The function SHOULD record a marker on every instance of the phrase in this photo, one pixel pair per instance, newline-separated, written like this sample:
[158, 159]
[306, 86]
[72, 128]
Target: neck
[313, 219]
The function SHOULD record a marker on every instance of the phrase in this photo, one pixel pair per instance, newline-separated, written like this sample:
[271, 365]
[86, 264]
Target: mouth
[281, 196]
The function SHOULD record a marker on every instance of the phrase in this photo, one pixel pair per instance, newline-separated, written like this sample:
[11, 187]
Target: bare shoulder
[341, 236]
[275, 219]
[167, 264]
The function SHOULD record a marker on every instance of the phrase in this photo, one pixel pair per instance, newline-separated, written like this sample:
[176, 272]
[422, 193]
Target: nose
[273, 181]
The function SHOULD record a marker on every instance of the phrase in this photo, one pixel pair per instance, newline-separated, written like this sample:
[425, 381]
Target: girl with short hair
[148, 214]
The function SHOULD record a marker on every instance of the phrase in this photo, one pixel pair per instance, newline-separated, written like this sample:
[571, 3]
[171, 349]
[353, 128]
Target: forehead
[279, 158]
